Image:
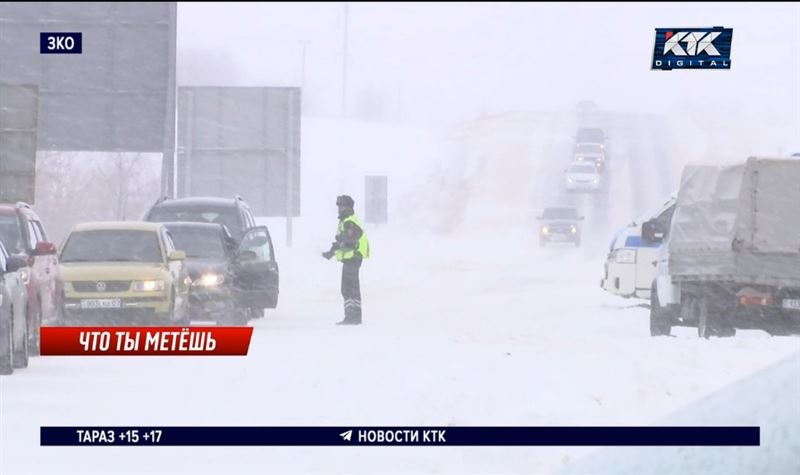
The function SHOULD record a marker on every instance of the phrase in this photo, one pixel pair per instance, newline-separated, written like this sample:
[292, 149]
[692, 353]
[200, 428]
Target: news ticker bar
[382, 436]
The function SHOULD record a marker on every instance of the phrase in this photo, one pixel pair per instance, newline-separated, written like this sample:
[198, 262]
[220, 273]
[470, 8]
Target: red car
[22, 234]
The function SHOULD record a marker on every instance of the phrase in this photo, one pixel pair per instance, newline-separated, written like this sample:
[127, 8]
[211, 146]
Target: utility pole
[344, 61]
[303, 45]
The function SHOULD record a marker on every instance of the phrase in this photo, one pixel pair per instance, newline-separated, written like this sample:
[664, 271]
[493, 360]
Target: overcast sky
[449, 61]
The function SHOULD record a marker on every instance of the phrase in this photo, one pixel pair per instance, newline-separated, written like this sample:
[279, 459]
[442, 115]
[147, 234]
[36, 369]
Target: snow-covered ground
[466, 324]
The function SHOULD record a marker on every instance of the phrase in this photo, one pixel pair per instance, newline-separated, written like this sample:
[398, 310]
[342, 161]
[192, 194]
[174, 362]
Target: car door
[255, 270]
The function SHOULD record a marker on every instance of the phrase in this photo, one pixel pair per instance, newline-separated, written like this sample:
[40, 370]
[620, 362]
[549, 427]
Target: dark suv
[232, 212]
[255, 269]
[560, 225]
[22, 234]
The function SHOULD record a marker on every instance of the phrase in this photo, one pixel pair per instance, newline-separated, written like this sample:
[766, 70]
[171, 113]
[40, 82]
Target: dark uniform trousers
[351, 289]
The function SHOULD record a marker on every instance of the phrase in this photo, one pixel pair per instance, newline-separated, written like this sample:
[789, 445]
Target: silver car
[13, 325]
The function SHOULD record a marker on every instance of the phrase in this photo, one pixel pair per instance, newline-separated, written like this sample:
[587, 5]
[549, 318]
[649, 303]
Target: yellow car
[123, 273]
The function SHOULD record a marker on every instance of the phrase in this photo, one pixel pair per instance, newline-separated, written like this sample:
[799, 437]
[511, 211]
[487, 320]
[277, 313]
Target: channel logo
[692, 48]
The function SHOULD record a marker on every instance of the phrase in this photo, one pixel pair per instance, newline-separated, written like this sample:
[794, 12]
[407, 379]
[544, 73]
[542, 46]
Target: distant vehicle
[590, 153]
[732, 255]
[13, 315]
[582, 176]
[234, 213]
[591, 135]
[629, 267]
[123, 272]
[560, 225]
[22, 234]
[226, 280]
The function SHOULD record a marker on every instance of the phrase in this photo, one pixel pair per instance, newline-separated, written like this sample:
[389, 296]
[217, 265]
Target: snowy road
[481, 329]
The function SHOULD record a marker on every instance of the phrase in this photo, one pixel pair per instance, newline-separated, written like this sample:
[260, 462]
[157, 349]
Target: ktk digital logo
[692, 48]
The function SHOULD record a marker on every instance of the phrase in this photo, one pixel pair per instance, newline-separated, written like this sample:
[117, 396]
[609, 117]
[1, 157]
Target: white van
[630, 265]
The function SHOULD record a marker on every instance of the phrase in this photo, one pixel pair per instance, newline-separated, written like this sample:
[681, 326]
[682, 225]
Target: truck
[630, 264]
[731, 259]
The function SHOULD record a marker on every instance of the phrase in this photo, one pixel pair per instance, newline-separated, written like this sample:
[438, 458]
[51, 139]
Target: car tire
[660, 319]
[21, 354]
[238, 318]
[7, 354]
[185, 319]
[33, 339]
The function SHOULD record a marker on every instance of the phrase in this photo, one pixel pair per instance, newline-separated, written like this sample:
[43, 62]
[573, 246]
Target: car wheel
[21, 354]
[660, 319]
[33, 333]
[7, 351]
[256, 312]
[237, 317]
[184, 319]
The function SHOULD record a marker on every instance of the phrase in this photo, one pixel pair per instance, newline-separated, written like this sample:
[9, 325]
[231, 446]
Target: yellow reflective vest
[363, 243]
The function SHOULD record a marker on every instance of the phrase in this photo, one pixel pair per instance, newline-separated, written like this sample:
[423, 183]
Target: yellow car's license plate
[101, 303]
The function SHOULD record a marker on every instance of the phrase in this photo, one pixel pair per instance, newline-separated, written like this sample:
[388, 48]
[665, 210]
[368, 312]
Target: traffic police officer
[351, 247]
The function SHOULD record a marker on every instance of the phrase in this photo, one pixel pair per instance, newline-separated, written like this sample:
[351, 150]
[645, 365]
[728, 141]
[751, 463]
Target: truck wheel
[660, 319]
[21, 354]
[701, 310]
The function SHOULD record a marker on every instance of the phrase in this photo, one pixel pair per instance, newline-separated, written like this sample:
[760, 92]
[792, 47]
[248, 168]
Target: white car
[582, 176]
[590, 153]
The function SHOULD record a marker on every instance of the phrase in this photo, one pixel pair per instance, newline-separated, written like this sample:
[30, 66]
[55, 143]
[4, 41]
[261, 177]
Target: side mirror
[177, 256]
[245, 256]
[15, 263]
[44, 248]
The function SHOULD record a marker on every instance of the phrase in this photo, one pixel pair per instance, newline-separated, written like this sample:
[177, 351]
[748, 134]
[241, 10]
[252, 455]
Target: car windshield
[588, 148]
[199, 243]
[560, 213]
[227, 216]
[11, 235]
[583, 169]
[112, 246]
[590, 135]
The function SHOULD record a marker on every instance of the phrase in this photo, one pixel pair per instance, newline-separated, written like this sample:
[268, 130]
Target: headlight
[545, 230]
[596, 181]
[569, 180]
[148, 286]
[625, 256]
[573, 229]
[209, 280]
[580, 159]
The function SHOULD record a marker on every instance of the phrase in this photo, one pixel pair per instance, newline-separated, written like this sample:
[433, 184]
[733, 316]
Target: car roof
[118, 226]
[200, 201]
[10, 209]
[192, 224]
[562, 207]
